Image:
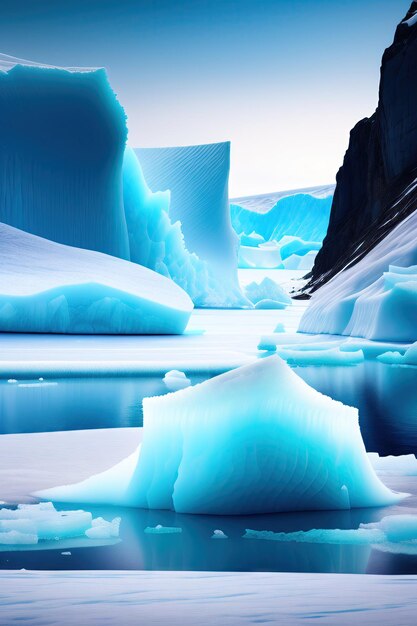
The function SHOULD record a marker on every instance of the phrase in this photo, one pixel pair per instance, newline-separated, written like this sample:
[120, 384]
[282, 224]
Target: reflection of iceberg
[48, 287]
[253, 440]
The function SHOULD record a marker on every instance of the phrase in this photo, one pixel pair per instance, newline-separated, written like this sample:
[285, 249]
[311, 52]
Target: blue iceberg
[257, 439]
[197, 178]
[62, 141]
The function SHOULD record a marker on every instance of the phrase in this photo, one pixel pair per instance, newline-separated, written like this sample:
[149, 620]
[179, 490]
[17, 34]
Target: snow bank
[403, 465]
[377, 297]
[61, 152]
[49, 287]
[254, 440]
[30, 523]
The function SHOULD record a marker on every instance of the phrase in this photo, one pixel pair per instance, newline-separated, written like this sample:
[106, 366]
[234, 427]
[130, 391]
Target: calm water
[385, 395]
[193, 548]
[387, 400]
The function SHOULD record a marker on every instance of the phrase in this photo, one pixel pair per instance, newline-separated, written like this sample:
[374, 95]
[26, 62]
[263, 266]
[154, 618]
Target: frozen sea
[85, 415]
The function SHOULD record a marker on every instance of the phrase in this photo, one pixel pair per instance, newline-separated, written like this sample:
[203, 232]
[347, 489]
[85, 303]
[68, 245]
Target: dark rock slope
[375, 185]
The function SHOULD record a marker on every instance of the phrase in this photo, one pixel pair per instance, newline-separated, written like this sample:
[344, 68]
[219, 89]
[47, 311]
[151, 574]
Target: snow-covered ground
[221, 599]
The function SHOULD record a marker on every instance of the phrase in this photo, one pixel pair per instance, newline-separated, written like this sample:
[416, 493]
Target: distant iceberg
[51, 288]
[305, 215]
[257, 439]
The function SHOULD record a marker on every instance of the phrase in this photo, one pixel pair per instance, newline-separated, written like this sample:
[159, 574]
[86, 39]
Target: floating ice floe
[257, 439]
[397, 358]
[403, 465]
[49, 287]
[30, 523]
[219, 534]
[162, 530]
[394, 533]
[174, 380]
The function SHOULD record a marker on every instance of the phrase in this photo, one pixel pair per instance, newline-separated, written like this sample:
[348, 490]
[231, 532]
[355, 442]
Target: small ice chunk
[66, 553]
[219, 534]
[279, 328]
[269, 347]
[403, 465]
[12, 380]
[162, 530]
[102, 529]
[175, 380]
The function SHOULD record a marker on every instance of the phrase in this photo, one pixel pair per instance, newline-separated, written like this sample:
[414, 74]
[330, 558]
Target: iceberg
[304, 215]
[158, 243]
[377, 297]
[49, 287]
[393, 533]
[397, 358]
[257, 439]
[268, 289]
[197, 178]
[61, 153]
[174, 380]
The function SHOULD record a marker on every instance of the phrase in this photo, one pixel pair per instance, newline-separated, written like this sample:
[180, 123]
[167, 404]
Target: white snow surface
[206, 598]
[377, 297]
[49, 287]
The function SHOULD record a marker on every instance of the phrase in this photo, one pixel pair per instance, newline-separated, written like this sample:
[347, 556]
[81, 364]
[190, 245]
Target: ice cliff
[257, 439]
[49, 287]
[197, 178]
[157, 242]
[62, 141]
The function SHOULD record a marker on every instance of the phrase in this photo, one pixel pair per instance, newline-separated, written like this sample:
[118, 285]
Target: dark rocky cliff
[374, 190]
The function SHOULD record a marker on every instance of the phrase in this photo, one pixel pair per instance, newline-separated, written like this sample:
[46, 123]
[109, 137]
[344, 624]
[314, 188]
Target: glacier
[197, 178]
[304, 215]
[61, 154]
[377, 297]
[256, 439]
[267, 290]
[158, 243]
[47, 287]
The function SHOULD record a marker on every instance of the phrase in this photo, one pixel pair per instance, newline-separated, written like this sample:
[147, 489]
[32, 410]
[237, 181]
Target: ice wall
[257, 439]
[197, 177]
[158, 243]
[301, 215]
[62, 140]
[372, 299]
[48, 287]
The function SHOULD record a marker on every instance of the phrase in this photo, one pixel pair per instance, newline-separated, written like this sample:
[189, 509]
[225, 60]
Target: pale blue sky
[284, 80]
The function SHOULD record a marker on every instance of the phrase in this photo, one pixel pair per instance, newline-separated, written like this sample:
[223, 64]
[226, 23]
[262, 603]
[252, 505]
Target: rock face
[376, 186]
